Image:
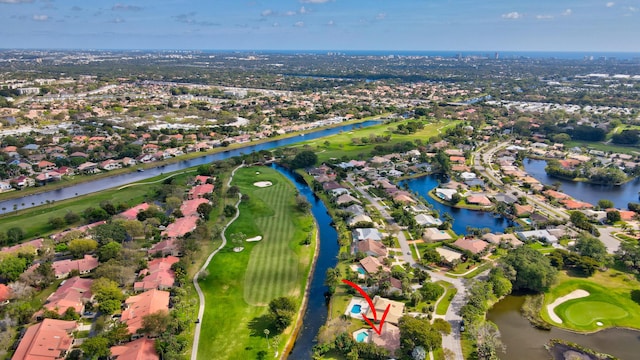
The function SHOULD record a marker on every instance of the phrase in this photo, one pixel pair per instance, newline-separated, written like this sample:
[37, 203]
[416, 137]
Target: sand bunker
[255, 238]
[576, 294]
[238, 249]
[262, 184]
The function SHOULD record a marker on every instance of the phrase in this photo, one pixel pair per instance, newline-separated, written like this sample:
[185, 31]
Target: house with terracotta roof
[201, 179]
[389, 337]
[200, 191]
[502, 238]
[457, 159]
[132, 214]
[556, 194]
[51, 339]
[435, 234]
[72, 293]
[372, 248]
[190, 207]
[625, 215]
[475, 246]
[63, 268]
[158, 275]
[141, 305]
[5, 294]
[29, 247]
[181, 227]
[45, 165]
[575, 204]
[141, 349]
[478, 199]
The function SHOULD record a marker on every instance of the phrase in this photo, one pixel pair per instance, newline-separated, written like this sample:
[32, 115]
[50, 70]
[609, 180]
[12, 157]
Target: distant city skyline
[457, 25]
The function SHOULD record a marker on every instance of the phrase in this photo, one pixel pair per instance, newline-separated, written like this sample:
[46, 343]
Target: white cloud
[610, 4]
[544, 17]
[632, 9]
[117, 20]
[267, 12]
[303, 10]
[15, 1]
[514, 15]
[315, 1]
[275, 24]
[290, 13]
[37, 17]
[567, 12]
[331, 23]
[299, 24]
[381, 16]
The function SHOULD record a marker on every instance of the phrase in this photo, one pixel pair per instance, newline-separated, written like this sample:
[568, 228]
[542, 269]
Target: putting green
[584, 312]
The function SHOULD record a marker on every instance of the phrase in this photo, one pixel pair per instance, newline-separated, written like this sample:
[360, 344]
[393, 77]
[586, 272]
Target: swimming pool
[356, 309]
[361, 271]
[361, 336]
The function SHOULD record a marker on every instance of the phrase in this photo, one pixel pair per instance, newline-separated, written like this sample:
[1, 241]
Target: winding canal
[316, 313]
[118, 180]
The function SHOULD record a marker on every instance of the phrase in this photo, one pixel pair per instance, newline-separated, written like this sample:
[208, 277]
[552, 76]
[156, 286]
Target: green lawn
[240, 284]
[449, 292]
[340, 145]
[610, 301]
[603, 147]
[34, 221]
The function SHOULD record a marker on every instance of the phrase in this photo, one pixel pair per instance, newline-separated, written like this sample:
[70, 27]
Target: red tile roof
[141, 349]
[556, 194]
[164, 246]
[132, 214]
[474, 245]
[63, 267]
[190, 207]
[201, 179]
[73, 293]
[160, 275]
[181, 227]
[139, 306]
[46, 340]
[36, 244]
[575, 204]
[5, 292]
[199, 191]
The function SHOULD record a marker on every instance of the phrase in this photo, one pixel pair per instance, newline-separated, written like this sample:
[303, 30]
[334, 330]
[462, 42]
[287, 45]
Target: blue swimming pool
[361, 271]
[361, 336]
[356, 309]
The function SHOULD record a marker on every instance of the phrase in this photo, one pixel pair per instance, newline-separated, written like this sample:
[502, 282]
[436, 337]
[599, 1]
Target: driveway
[607, 238]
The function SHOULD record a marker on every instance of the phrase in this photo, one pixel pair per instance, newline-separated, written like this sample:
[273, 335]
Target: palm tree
[266, 334]
[416, 298]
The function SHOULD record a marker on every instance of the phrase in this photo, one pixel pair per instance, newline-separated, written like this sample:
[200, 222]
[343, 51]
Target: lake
[462, 217]
[524, 342]
[591, 193]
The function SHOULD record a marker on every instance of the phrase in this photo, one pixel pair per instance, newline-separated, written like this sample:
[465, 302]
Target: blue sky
[517, 25]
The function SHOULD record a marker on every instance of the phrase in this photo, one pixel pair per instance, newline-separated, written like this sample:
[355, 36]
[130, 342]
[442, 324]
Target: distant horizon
[375, 52]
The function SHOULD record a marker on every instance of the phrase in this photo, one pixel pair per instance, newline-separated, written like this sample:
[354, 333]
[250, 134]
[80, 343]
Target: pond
[591, 193]
[524, 342]
[462, 217]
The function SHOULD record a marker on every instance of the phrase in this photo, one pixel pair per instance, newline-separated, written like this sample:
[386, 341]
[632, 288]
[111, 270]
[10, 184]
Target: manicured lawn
[609, 302]
[239, 285]
[603, 147]
[34, 221]
[450, 292]
[340, 145]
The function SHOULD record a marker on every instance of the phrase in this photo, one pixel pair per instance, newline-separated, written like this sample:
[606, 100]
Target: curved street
[196, 335]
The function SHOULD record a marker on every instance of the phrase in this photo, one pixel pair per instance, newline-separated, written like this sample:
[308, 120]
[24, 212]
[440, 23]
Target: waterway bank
[95, 184]
[524, 342]
[462, 217]
[316, 312]
[621, 195]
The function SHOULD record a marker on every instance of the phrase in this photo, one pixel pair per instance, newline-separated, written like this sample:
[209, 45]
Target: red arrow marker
[378, 330]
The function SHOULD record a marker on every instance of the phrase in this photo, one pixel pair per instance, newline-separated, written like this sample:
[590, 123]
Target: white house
[445, 194]
[5, 186]
[467, 176]
[427, 220]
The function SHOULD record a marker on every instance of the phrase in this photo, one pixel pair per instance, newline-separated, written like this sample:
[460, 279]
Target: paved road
[451, 341]
[196, 335]
[607, 238]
